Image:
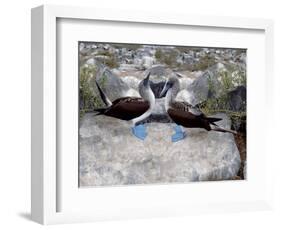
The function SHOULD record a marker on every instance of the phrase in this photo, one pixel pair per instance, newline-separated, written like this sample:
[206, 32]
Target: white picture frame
[46, 181]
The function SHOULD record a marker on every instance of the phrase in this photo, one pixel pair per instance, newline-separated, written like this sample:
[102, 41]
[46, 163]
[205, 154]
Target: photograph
[161, 114]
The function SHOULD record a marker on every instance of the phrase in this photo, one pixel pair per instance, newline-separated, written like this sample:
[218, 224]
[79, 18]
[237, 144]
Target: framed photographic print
[142, 114]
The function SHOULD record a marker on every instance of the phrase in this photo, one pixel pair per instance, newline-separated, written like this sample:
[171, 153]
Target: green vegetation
[109, 59]
[128, 46]
[167, 57]
[221, 104]
[158, 54]
[204, 63]
[88, 100]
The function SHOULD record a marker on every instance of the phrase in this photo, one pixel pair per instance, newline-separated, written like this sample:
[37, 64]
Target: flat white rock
[111, 155]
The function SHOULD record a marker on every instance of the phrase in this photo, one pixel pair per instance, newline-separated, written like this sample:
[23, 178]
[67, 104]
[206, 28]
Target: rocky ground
[111, 155]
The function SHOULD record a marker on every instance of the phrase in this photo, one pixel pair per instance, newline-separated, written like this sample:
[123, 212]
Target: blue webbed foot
[139, 131]
[179, 134]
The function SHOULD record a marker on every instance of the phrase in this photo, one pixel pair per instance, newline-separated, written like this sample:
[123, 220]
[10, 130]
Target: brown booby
[132, 109]
[184, 114]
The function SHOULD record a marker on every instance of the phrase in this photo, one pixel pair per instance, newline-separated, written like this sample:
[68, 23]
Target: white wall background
[15, 113]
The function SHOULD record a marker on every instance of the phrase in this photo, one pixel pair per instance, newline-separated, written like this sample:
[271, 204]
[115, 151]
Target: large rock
[128, 67]
[237, 102]
[132, 82]
[159, 70]
[115, 87]
[112, 85]
[211, 84]
[206, 86]
[148, 62]
[237, 99]
[111, 155]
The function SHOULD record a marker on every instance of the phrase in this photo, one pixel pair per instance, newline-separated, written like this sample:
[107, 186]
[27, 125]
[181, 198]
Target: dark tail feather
[100, 111]
[104, 98]
[213, 119]
[219, 129]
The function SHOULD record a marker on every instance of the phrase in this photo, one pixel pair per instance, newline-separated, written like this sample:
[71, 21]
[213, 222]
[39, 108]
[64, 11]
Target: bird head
[145, 81]
[170, 82]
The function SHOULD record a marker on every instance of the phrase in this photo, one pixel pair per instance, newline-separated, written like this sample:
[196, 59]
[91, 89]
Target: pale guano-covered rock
[132, 82]
[210, 83]
[111, 155]
[109, 83]
[200, 89]
[148, 62]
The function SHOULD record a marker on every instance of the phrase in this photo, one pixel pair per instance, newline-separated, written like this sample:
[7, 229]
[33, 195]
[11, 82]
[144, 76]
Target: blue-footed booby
[184, 114]
[132, 109]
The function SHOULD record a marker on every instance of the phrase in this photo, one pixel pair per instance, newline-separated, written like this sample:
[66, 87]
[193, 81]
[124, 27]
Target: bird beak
[165, 89]
[146, 80]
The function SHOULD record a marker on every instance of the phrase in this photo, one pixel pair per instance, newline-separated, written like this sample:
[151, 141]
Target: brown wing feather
[127, 99]
[184, 106]
[188, 119]
[127, 108]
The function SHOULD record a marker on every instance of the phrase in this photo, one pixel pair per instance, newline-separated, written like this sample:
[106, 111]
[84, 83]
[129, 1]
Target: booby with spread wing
[132, 109]
[184, 114]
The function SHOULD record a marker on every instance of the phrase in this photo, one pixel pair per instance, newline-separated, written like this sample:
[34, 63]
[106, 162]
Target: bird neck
[170, 97]
[149, 96]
